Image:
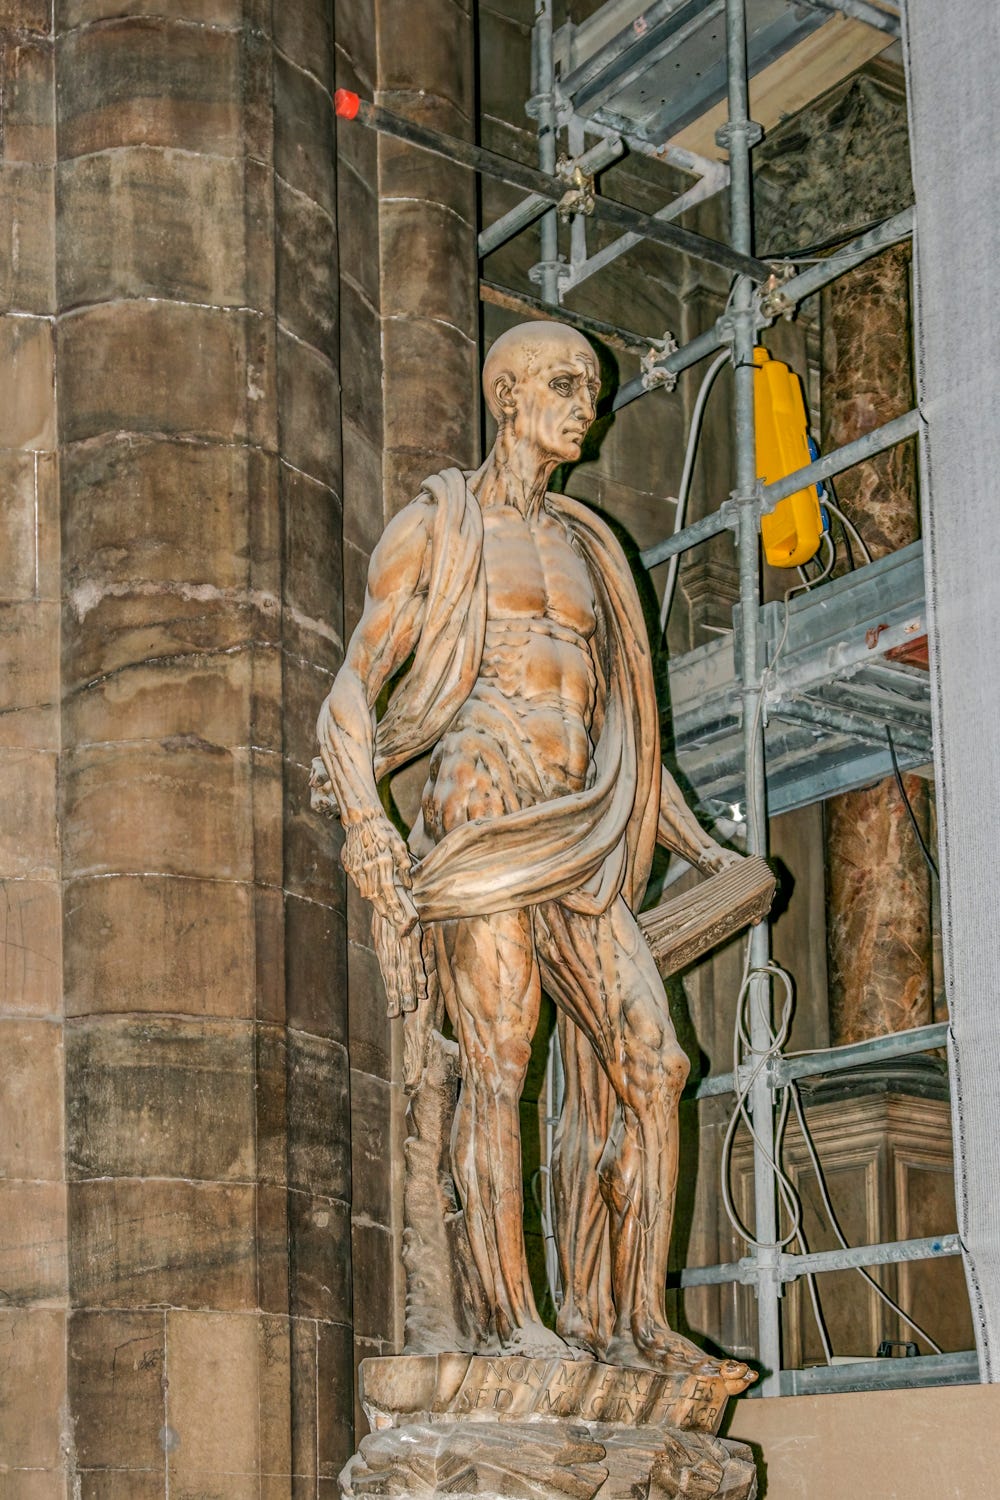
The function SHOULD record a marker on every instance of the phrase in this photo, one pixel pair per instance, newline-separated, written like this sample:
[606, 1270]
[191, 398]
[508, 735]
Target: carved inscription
[512, 1387]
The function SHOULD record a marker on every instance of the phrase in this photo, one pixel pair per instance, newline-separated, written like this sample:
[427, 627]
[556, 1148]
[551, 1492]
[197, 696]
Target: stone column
[840, 163]
[879, 926]
[32, 1174]
[191, 1331]
[410, 322]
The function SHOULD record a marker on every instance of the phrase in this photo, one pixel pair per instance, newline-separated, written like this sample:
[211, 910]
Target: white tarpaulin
[953, 67]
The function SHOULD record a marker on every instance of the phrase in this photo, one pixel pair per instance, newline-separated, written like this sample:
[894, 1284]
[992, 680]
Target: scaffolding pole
[739, 135]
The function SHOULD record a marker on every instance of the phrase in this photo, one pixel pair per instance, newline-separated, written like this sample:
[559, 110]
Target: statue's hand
[717, 859]
[377, 859]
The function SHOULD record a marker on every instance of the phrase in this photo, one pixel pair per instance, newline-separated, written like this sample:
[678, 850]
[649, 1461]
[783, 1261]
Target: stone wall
[176, 1256]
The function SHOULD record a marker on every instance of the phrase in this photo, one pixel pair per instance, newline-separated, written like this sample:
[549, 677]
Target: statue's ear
[503, 396]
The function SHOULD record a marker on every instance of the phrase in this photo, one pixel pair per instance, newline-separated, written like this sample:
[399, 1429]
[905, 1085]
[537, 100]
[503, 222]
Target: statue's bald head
[521, 350]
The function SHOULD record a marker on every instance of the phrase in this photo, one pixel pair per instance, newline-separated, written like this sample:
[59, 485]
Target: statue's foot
[665, 1350]
[579, 1336]
[535, 1341]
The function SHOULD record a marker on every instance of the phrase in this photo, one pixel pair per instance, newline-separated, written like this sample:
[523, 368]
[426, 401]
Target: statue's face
[555, 399]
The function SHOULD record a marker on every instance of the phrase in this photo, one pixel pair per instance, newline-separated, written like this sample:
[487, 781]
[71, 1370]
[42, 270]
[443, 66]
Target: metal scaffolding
[749, 719]
[745, 710]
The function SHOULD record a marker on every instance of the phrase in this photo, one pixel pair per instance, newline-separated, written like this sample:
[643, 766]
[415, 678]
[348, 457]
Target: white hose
[685, 486]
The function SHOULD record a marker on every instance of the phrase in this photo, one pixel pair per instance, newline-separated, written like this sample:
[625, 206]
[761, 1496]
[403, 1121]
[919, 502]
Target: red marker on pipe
[346, 104]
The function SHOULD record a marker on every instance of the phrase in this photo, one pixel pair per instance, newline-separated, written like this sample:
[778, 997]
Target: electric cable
[849, 527]
[686, 474]
[792, 1088]
[810, 583]
[931, 865]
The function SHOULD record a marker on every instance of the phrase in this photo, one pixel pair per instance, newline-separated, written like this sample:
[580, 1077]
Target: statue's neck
[514, 474]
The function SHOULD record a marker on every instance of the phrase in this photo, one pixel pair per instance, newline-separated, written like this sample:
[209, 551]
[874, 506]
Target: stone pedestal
[462, 1424]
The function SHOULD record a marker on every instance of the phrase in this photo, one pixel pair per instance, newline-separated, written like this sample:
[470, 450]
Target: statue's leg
[494, 994]
[601, 972]
[587, 1311]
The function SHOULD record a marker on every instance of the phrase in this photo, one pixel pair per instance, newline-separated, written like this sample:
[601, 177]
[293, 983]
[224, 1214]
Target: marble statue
[529, 680]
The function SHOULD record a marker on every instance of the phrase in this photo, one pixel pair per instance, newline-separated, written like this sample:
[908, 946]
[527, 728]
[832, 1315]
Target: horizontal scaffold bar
[877, 441]
[837, 1059]
[349, 106]
[531, 208]
[883, 1374]
[782, 299]
[791, 1267]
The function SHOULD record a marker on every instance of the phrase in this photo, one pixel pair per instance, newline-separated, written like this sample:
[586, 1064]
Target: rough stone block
[312, 848]
[318, 1116]
[212, 1403]
[225, 13]
[159, 367]
[407, 172]
[303, 1383]
[116, 1389]
[206, 699]
[335, 1357]
[363, 358]
[416, 406]
[272, 1248]
[146, 943]
[28, 844]
[30, 947]
[306, 686]
[158, 485]
[304, 33]
[306, 269]
[270, 1103]
[427, 257]
[122, 1484]
[304, 154]
[319, 1257]
[176, 230]
[316, 969]
[32, 1383]
[27, 384]
[29, 114]
[358, 229]
[274, 1366]
[35, 1484]
[308, 409]
[32, 1242]
[376, 1148]
[26, 15]
[405, 469]
[181, 807]
[17, 524]
[269, 955]
[312, 583]
[160, 1099]
[31, 1113]
[377, 1269]
[147, 81]
[27, 238]
[373, 1035]
[426, 48]
[355, 582]
[29, 675]
[155, 1244]
[356, 44]
[364, 521]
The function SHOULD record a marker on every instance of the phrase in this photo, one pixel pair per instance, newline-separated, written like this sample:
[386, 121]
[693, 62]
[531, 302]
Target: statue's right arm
[375, 855]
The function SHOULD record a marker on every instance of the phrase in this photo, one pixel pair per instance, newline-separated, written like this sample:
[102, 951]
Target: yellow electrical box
[791, 533]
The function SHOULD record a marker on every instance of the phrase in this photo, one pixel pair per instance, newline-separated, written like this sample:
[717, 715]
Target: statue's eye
[561, 386]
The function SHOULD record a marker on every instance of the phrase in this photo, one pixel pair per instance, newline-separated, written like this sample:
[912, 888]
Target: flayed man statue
[530, 682]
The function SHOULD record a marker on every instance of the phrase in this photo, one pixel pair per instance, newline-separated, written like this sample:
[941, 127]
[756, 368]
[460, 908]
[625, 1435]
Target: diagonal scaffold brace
[350, 106]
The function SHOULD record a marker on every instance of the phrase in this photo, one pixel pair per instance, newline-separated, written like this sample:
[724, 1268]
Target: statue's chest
[533, 571]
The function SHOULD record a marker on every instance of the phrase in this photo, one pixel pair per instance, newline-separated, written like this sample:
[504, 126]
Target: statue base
[507, 1426]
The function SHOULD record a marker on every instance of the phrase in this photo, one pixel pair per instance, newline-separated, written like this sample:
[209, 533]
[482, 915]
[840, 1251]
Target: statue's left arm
[679, 831]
